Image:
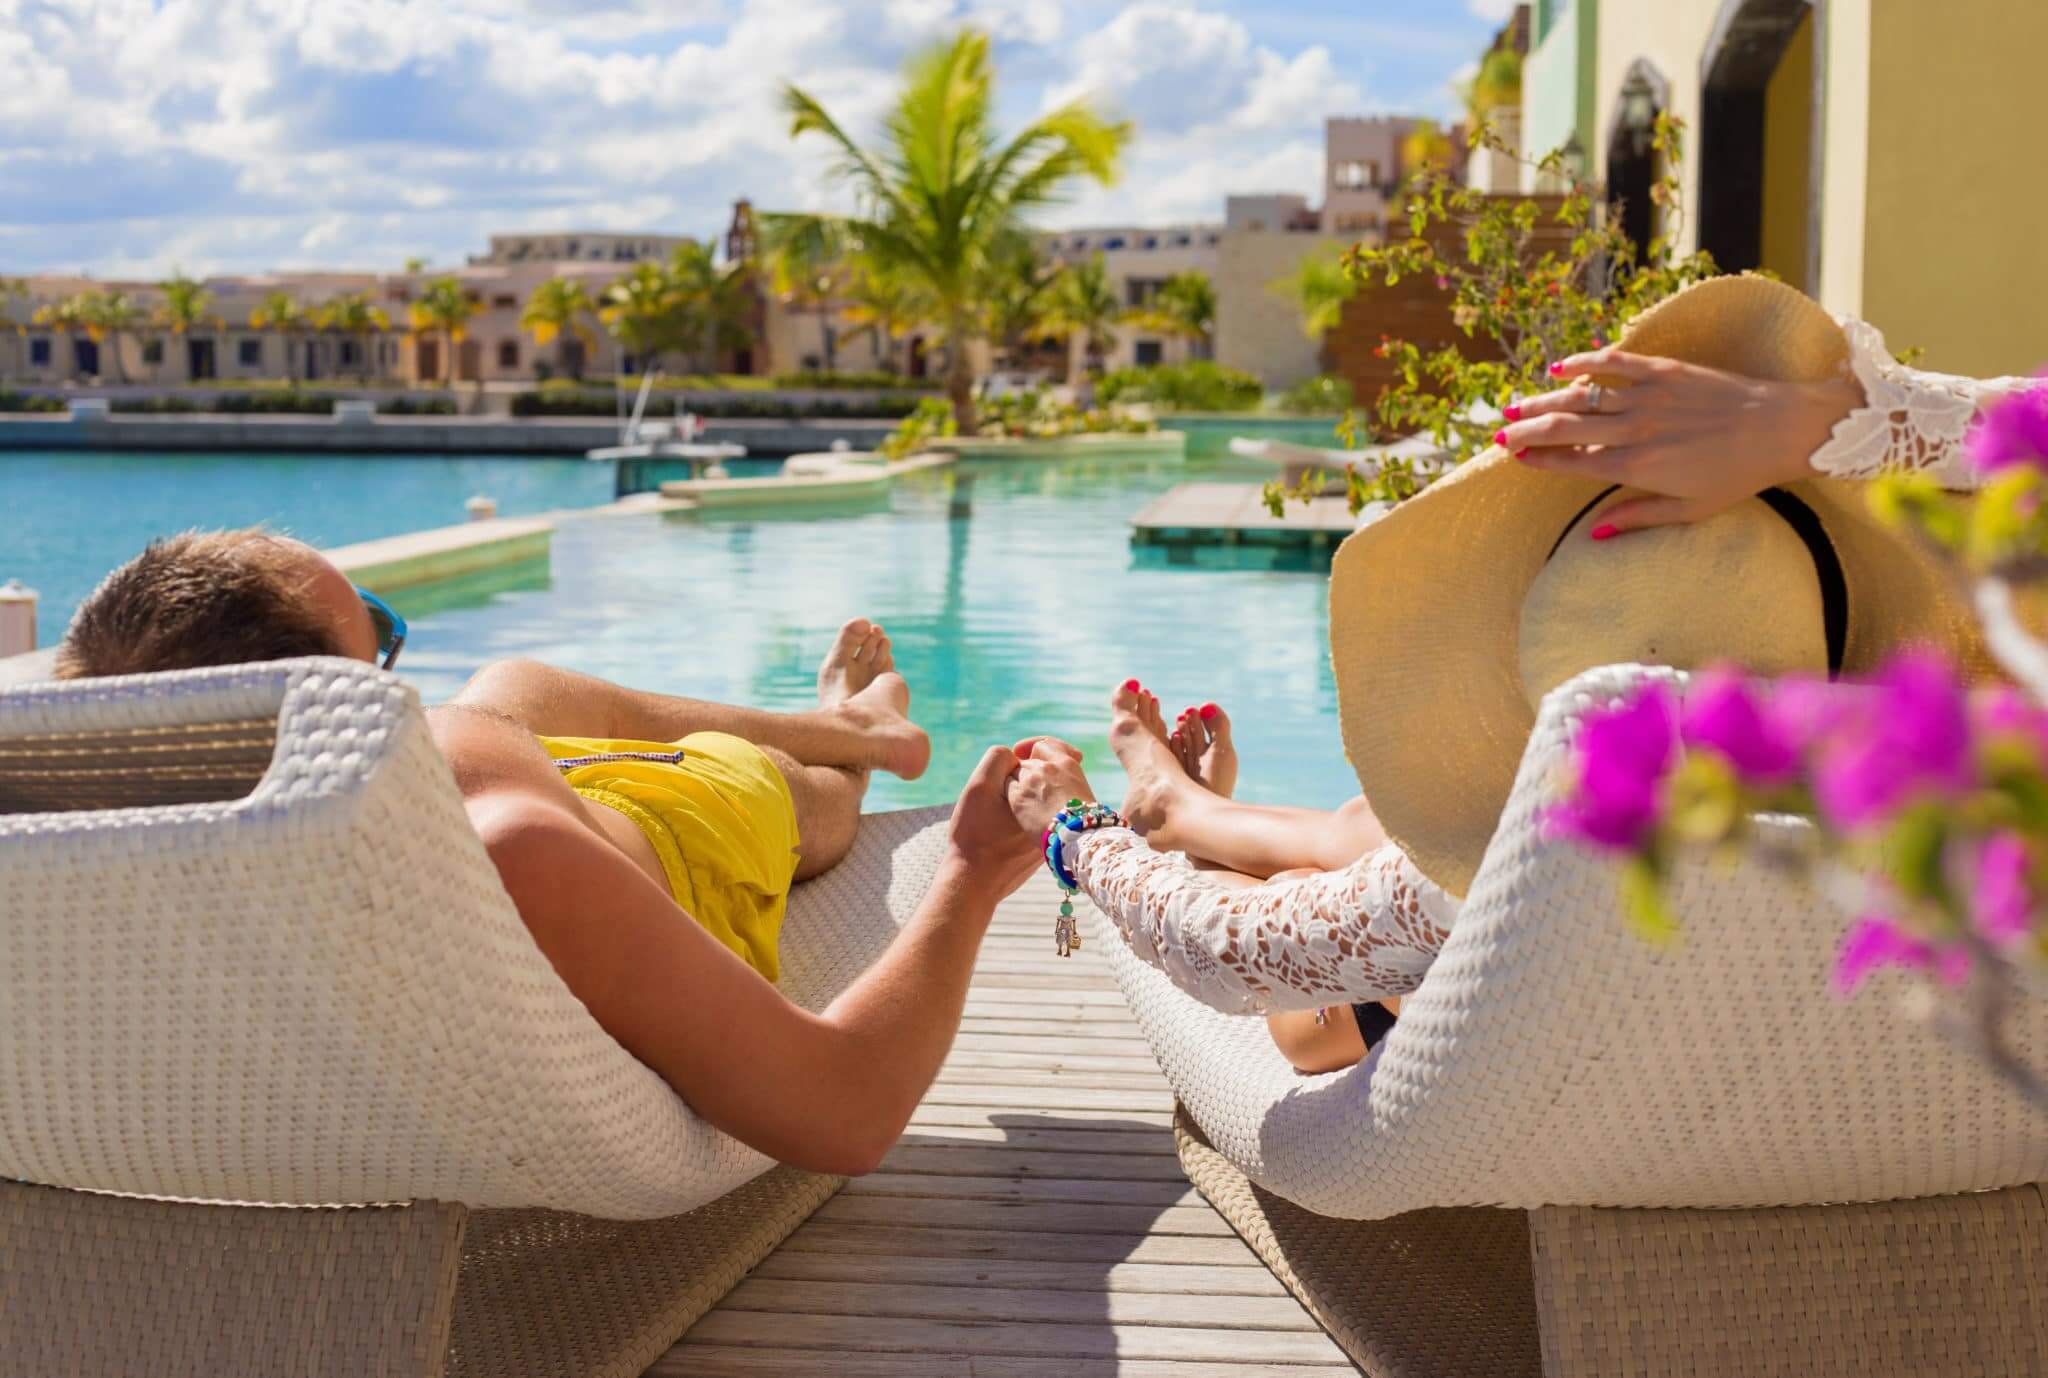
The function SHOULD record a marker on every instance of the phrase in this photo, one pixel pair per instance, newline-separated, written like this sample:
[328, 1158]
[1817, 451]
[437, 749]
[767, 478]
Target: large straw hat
[1455, 613]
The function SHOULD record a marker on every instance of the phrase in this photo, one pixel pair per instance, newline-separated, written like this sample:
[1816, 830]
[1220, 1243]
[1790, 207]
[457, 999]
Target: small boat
[640, 438]
[820, 477]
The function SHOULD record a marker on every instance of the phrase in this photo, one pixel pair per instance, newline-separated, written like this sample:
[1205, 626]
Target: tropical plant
[1184, 307]
[1426, 148]
[558, 309]
[183, 309]
[883, 302]
[1320, 285]
[1496, 85]
[713, 302]
[944, 190]
[65, 318]
[1197, 385]
[1321, 394]
[444, 305]
[639, 310]
[280, 314]
[1528, 303]
[1016, 295]
[356, 316]
[808, 270]
[107, 317]
[932, 420]
[12, 291]
[1084, 305]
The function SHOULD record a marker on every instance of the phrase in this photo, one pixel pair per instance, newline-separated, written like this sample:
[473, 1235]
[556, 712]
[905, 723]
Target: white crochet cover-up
[1370, 931]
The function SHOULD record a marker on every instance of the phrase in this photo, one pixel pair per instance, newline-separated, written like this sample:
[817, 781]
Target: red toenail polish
[1511, 412]
[1605, 531]
[1521, 454]
[1209, 710]
[1500, 437]
[1131, 685]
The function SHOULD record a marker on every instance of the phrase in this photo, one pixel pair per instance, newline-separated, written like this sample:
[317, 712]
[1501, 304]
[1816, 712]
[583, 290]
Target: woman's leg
[1329, 1046]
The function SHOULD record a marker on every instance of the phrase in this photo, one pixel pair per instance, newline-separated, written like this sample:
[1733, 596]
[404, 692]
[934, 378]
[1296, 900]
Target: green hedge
[554, 402]
[30, 402]
[1317, 396]
[284, 402]
[818, 379]
[1198, 385]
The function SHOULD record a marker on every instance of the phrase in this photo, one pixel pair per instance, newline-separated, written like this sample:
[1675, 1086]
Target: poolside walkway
[1034, 1222]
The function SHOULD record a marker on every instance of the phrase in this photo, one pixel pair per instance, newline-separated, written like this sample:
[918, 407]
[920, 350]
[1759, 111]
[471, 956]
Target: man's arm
[830, 1092]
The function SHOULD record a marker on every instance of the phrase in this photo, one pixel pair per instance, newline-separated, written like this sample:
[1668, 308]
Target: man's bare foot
[1207, 752]
[859, 682]
[1160, 786]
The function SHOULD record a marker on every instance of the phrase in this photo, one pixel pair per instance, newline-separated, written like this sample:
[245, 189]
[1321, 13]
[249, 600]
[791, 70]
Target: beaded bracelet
[1074, 818]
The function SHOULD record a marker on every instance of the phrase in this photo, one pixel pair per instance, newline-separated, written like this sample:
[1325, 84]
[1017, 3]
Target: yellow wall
[1955, 245]
[1845, 160]
[1671, 34]
[1788, 133]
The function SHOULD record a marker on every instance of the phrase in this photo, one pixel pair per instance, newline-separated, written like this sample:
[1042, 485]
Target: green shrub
[157, 405]
[1198, 385]
[417, 406]
[551, 401]
[848, 378]
[30, 402]
[1316, 396]
[930, 419]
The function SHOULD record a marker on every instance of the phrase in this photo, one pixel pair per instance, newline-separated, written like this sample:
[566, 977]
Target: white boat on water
[823, 476]
[680, 438]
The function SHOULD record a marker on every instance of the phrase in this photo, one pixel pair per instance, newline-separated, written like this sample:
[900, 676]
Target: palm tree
[640, 311]
[944, 189]
[808, 270]
[1085, 304]
[711, 301]
[1016, 295]
[184, 305]
[558, 309]
[1184, 306]
[108, 316]
[12, 290]
[882, 302]
[1320, 286]
[355, 315]
[65, 318]
[281, 313]
[444, 305]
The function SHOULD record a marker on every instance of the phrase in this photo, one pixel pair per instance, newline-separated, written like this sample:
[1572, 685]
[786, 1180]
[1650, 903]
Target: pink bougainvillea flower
[2012, 430]
[2003, 903]
[2008, 713]
[1722, 714]
[1912, 738]
[1873, 942]
[1623, 755]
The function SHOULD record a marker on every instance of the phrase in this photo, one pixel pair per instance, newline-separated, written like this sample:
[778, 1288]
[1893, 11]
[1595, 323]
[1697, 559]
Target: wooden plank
[1025, 1099]
[1145, 1123]
[1020, 1078]
[989, 1160]
[1204, 1279]
[1045, 1056]
[1049, 1216]
[1093, 1040]
[1017, 1004]
[895, 1240]
[694, 1360]
[888, 1335]
[914, 1302]
[1013, 985]
[913, 1187]
[1052, 1139]
[1025, 1022]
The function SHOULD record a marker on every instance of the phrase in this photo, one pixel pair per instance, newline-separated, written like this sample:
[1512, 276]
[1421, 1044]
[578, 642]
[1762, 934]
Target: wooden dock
[1034, 1222]
[1235, 514]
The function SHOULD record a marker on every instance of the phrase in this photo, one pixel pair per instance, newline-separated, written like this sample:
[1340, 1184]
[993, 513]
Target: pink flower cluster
[2013, 430]
[1868, 753]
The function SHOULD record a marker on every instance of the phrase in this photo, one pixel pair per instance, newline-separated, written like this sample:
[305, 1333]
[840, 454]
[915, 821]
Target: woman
[1733, 388]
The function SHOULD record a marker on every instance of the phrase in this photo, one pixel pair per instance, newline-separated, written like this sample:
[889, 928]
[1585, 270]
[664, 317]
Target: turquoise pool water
[1011, 590]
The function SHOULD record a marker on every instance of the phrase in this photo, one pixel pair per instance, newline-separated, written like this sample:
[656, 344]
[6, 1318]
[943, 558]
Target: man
[648, 841]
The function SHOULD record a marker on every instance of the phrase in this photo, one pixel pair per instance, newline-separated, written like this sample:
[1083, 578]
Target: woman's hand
[983, 839]
[1696, 440]
[1049, 776]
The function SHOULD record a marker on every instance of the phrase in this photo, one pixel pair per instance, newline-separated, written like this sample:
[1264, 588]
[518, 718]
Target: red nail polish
[1604, 531]
[1209, 710]
[1511, 412]
[1500, 437]
[1131, 685]
[1557, 370]
[1521, 454]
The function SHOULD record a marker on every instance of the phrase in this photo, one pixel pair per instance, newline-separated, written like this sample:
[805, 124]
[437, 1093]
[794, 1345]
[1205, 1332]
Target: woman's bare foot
[858, 681]
[1160, 786]
[1202, 740]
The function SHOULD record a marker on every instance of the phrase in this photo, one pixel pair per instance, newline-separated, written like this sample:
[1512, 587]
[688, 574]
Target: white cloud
[1492, 11]
[245, 134]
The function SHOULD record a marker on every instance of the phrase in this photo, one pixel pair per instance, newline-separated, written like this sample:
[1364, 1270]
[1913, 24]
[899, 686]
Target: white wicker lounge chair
[1684, 1128]
[251, 952]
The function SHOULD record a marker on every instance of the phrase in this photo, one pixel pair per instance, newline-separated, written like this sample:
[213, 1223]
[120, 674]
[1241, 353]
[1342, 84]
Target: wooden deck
[1235, 513]
[1033, 1223]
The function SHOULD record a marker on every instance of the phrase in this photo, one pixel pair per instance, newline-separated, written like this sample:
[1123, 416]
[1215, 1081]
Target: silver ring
[1594, 392]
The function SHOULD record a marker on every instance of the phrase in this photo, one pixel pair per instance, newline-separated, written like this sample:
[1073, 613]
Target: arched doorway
[1631, 159]
[1759, 157]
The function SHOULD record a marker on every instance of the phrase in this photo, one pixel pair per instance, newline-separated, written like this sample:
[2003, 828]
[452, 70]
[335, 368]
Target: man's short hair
[201, 598]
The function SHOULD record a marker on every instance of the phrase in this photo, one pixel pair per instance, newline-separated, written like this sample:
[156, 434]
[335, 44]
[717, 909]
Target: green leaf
[1643, 902]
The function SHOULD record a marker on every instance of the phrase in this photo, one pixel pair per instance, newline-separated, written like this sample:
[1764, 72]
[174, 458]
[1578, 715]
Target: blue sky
[239, 135]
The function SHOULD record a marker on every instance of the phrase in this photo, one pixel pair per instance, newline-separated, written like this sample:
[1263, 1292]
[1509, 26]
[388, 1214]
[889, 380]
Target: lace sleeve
[1910, 419]
[1363, 933]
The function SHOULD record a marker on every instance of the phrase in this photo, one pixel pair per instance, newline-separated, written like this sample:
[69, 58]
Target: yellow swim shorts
[719, 816]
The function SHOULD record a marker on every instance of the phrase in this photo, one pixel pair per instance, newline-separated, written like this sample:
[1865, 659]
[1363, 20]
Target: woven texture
[310, 987]
[1427, 1294]
[550, 1295]
[105, 1286]
[1551, 1057]
[1950, 1287]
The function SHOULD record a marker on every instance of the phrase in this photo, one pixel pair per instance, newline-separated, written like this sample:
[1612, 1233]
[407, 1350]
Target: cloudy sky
[234, 135]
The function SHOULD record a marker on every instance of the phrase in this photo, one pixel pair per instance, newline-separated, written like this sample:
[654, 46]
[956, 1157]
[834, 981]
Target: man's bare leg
[864, 727]
[1178, 812]
[827, 798]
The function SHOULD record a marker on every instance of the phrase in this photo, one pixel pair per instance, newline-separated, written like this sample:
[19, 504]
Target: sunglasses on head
[389, 626]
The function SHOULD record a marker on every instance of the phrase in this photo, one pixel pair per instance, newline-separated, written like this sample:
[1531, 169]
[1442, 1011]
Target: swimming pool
[1010, 588]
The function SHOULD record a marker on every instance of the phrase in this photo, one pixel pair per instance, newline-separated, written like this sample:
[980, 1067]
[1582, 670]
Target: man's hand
[1045, 782]
[983, 839]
